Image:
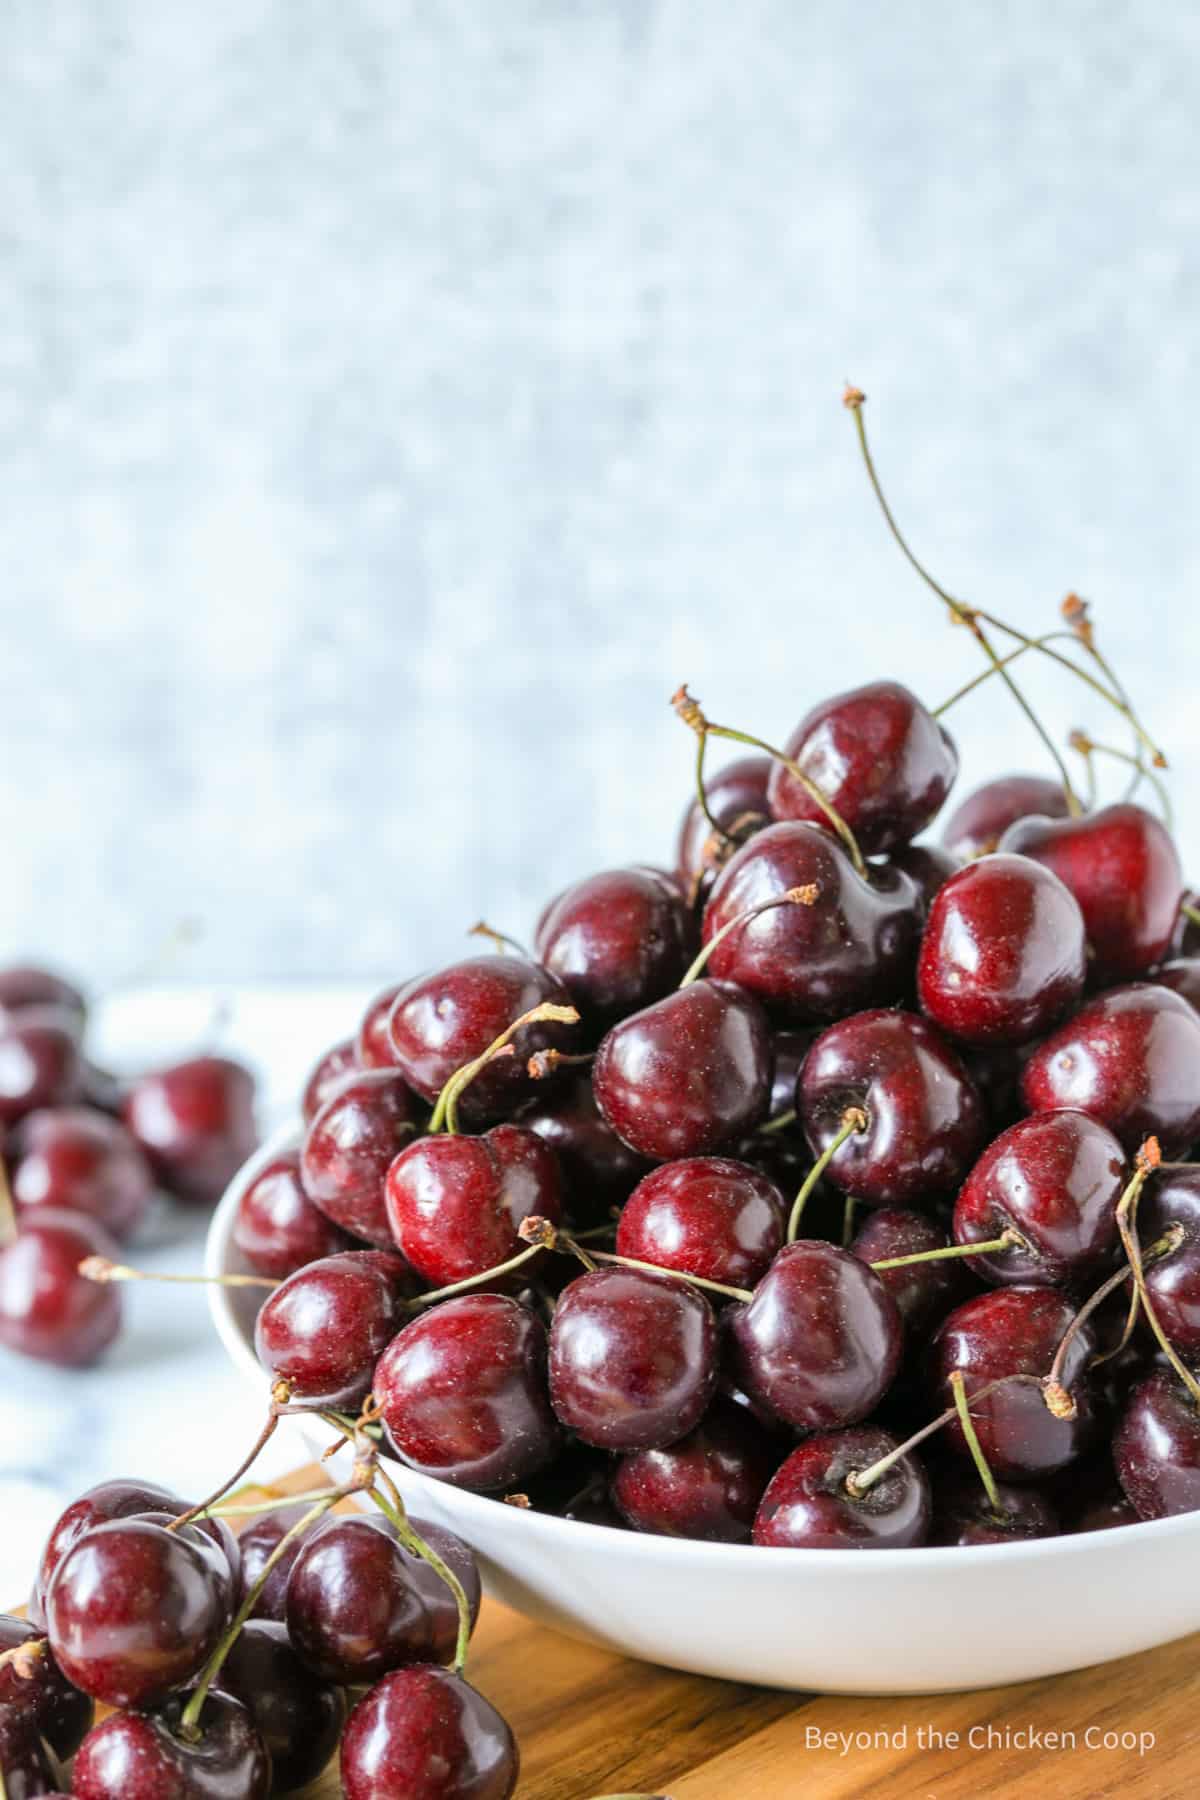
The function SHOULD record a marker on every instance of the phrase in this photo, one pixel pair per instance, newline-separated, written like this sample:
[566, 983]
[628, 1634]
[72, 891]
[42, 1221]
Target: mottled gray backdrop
[398, 400]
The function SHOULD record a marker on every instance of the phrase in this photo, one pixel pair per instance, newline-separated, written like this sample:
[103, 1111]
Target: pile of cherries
[84, 1155]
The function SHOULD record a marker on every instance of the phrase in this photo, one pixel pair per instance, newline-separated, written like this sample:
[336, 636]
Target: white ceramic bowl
[882, 1622]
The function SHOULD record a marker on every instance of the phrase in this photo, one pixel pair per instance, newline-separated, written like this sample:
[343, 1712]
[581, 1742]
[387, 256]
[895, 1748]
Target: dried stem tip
[689, 710]
[536, 1230]
[852, 397]
[1077, 614]
[1149, 1156]
[808, 895]
[1079, 740]
[1059, 1401]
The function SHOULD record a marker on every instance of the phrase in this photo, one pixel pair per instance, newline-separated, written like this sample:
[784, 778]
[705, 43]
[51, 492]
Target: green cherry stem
[499, 940]
[102, 1269]
[1147, 1160]
[1003, 662]
[539, 1236]
[1087, 747]
[445, 1113]
[854, 1119]
[700, 1281]
[857, 1483]
[1190, 913]
[1008, 1240]
[264, 1438]
[780, 1122]
[1057, 1397]
[959, 1389]
[797, 896]
[391, 1505]
[8, 1213]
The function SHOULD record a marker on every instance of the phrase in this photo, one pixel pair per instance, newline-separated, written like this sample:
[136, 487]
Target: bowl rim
[561, 1533]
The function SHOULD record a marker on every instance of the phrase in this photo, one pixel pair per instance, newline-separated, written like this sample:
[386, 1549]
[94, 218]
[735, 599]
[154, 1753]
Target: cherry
[977, 823]
[1156, 1448]
[927, 867]
[298, 1716]
[963, 1514]
[41, 1692]
[616, 941]
[812, 1504]
[819, 1343]
[139, 1756]
[195, 1121]
[1015, 1331]
[923, 1292]
[48, 1310]
[454, 1203]
[24, 988]
[426, 1734]
[1170, 1196]
[1054, 1179]
[878, 756]
[373, 1047]
[737, 800]
[277, 1228]
[98, 1506]
[349, 1148]
[462, 1391]
[688, 1074]
[134, 1611]
[925, 1121]
[598, 1171]
[440, 1603]
[353, 1611]
[1173, 1285]
[851, 947]
[82, 1159]
[708, 1485]
[1127, 1058]
[40, 1063]
[323, 1330]
[1003, 955]
[441, 1022]
[1123, 868]
[1182, 976]
[633, 1360]
[1108, 1511]
[260, 1538]
[707, 1216]
[25, 1772]
[338, 1061]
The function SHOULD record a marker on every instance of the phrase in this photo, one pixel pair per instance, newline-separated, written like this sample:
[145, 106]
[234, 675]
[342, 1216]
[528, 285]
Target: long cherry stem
[858, 1483]
[8, 1212]
[797, 896]
[540, 1236]
[1148, 1158]
[854, 1119]
[1057, 1397]
[959, 1389]
[101, 1269]
[1008, 1240]
[264, 1438]
[1002, 663]
[391, 1505]
[445, 1113]
[499, 940]
[700, 1281]
[1087, 747]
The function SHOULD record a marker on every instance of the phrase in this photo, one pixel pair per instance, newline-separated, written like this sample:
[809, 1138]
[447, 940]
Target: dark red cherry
[1173, 1285]
[24, 988]
[598, 1171]
[1015, 1331]
[707, 1216]
[25, 1771]
[463, 1393]
[925, 1121]
[1104, 1514]
[40, 1691]
[1182, 976]
[48, 1310]
[737, 800]
[40, 1063]
[1129, 1059]
[616, 941]
[277, 1228]
[454, 1203]
[812, 1505]
[927, 867]
[140, 1756]
[819, 1344]
[441, 1022]
[324, 1329]
[98, 1506]
[373, 1047]
[133, 1612]
[1055, 1179]
[633, 1361]
[195, 1121]
[79, 1158]
[1122, 866]
[708, 1485]
[338, 1062]
[963, 1514]
[353, 1610]
[427, 1735]
[216, 1544]
[1170, 1197]
[688, 1074]
[349, 1148]
[298, 1716]
[977, 823]
[878, 756]
[257, 1542]
[851, 947]
[923, 1292]
[1003, 955]
[440, 1603]
[1156, 1448]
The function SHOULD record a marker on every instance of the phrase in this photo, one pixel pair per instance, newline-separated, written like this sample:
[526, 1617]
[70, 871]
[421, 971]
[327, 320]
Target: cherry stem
[700, 1281]
[858, 1483]
[8, 1212]
[250, 1509]
[1148, 1159]
[393, 1508]
[854, 1119]
[959, 1390]
[1058, 1398]
[100, 1268]
[797, 896]
[546, 1062]
[780, 1122]
[499, 940]
[1078, 615]
[24, 1658]
[1086, 747]
[984, 675]
[690, 712]
[445, 1113]
[1008, 1240]
[1192, 915]
[848, 1212]
[264, 1438]
[540, 1236]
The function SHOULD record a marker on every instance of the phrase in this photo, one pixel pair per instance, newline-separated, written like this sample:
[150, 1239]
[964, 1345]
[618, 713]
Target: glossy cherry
[1182, 975]
[440, 1603]
[923, 1292]
[977, 823]
[688, 1074]
[298, 1716]
[277, 1228]
[48, 1310]
[257, 1541]
[349, 1148]
[963, 1514]
[454, 1203]
[616, 941]
[373, 1048]
[925, 1120]
[441, 1022]
[737, 800]
[1129, 1059]
[80, 1158]
[851, 947]
[819, 1344]
[25, 1772]
[328, 1073]
[24, 987]
[707, 1216]
[927, 867]
[811, 1503]
[195, 1121]
[463, 1393]
[633, 1359]
[878, 756]
[41, 1692]
[40, 1062]
[1156, 1448]
[706, 1486]
[353, 1610]
[1055, 1179]
[1014, 1331]
[98, 1506]
[140, 1756]
[426, 1734]
[1122, 866]
[1173, 1284]
[1003, 955]
[598, 1171]
[324, 1329]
